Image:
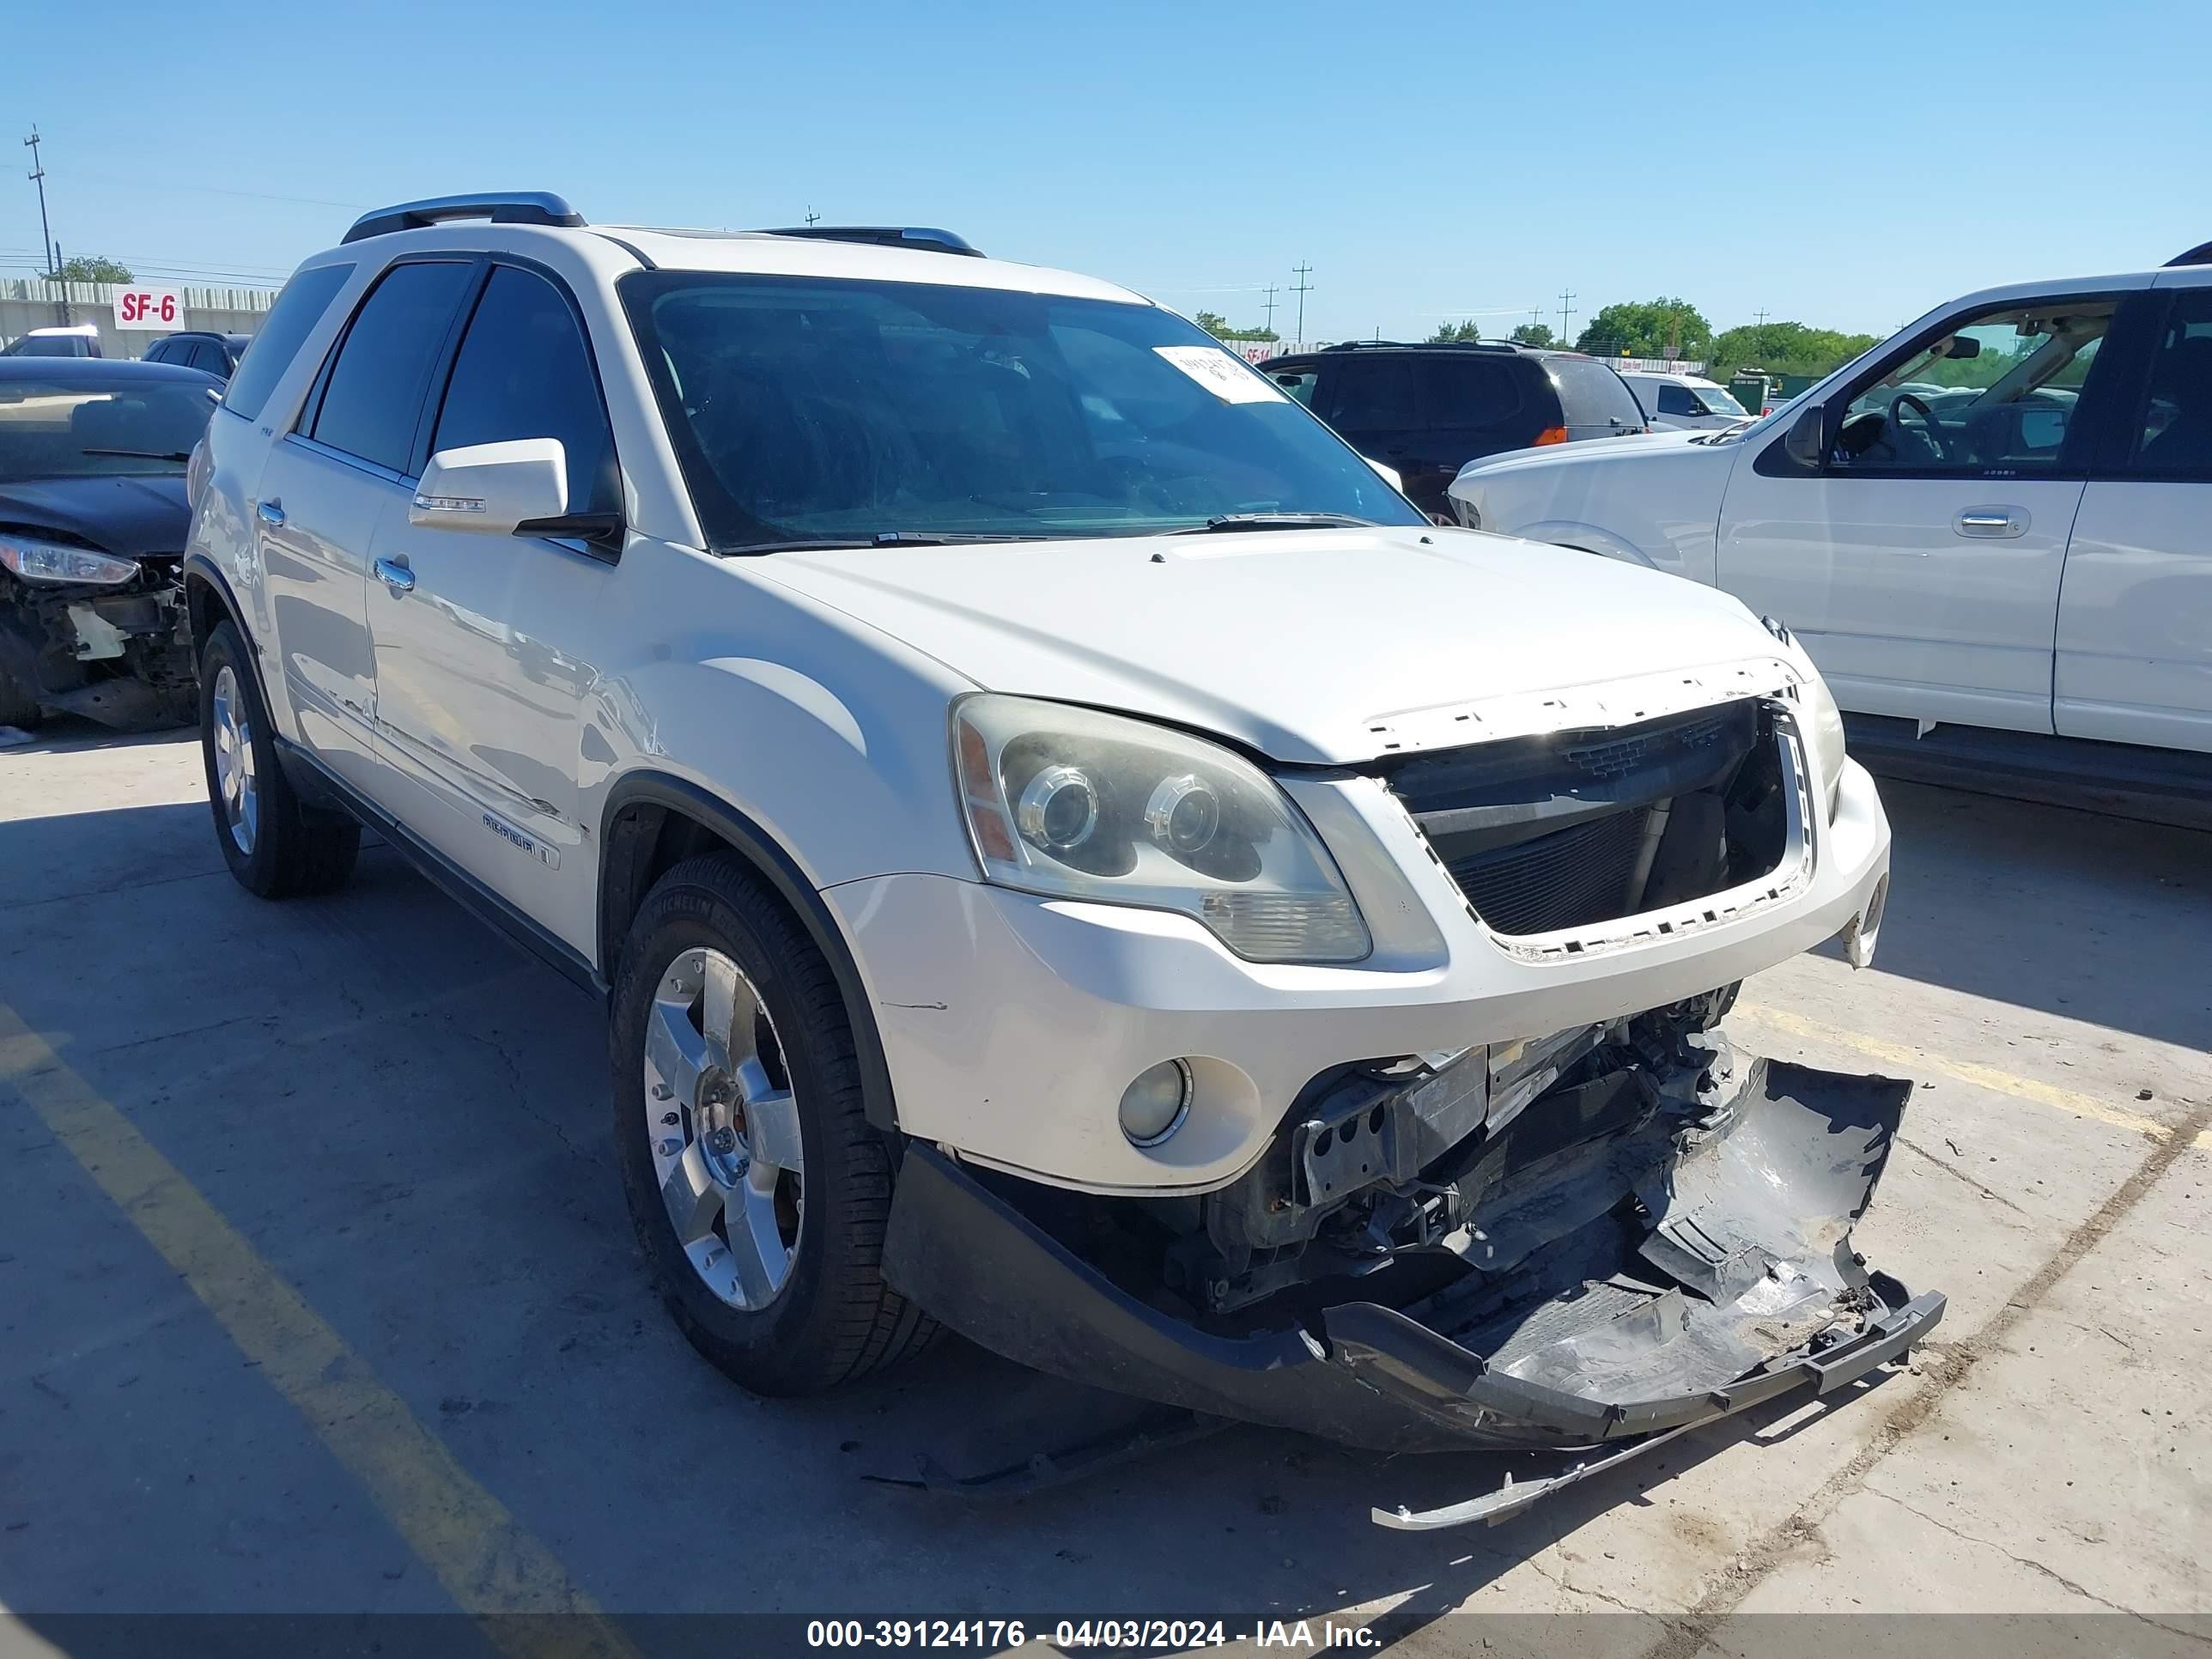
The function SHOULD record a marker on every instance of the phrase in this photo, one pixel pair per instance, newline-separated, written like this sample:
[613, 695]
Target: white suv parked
[1997, 519]
[1068, 851]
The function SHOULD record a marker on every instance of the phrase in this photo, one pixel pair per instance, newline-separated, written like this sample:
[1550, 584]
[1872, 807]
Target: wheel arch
[209, 603]
[653, 822]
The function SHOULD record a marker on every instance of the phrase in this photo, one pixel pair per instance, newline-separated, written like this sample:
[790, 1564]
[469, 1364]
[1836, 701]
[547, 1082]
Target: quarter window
[523, 371]
[374, 397]
[282, 333]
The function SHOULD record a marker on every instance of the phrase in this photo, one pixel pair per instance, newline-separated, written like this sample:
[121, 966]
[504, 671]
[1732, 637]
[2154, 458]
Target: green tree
[1539, 335]
[1783, 347]
[1218, 326]
[1647, 328]
[94, 268]
[1450, 333]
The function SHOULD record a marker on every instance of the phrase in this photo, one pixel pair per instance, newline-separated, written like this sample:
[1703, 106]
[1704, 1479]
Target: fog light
[1154, 1106]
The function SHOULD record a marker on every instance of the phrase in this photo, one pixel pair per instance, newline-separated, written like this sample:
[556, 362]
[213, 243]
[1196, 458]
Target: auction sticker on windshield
[1224, 376]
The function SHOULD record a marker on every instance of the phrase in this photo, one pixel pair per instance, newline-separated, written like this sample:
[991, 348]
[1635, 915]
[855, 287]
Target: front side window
[1373, 394]
[374, 396]
[2171, 435]
[290, 320]
[56, 430]
[1997, 394]
[812, 409]
[523, 371]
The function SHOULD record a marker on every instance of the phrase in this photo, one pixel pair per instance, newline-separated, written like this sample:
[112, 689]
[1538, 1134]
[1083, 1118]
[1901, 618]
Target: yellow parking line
[1920, 1061]
[487, 1562]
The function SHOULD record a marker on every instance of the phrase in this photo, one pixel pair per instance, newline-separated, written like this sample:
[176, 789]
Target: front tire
[759, 1189]
[274, 846]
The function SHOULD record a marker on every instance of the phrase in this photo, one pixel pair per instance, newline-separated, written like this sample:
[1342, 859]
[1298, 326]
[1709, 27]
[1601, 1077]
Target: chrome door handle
[395, 575]
[1997, 521]
[270, 512]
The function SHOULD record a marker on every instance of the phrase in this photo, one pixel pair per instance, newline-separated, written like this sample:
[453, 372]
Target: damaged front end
[118, 651]
[1591, 1241]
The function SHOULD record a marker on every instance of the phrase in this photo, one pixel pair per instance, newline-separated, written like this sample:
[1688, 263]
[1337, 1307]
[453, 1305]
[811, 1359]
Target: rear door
[326, 488]
[1471, 405]
[1595, 401]
[2134, 614]
[481, 646]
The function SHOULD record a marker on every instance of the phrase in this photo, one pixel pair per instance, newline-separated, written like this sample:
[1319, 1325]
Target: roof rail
[2199, 255]
[919, 237]
[513, 207]
[1427, 345]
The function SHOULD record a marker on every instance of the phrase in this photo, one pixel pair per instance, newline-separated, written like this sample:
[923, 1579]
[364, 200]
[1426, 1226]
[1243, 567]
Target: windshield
[1718, 401]
[810, 410]
[51, 431]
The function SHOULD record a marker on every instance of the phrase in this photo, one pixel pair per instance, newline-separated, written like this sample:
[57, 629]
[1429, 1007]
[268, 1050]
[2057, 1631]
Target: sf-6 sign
[150, 306]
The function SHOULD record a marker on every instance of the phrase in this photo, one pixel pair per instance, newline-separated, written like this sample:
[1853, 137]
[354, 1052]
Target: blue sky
[1845, 165]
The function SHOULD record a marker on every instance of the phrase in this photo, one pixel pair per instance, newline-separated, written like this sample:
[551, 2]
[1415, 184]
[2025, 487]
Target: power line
[1302, 287]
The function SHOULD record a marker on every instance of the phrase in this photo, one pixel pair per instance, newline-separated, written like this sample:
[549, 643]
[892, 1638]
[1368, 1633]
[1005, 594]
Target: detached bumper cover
[1728, 1281]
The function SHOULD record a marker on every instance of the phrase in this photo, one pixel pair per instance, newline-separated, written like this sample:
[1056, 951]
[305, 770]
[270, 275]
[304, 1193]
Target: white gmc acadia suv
[1067, 850]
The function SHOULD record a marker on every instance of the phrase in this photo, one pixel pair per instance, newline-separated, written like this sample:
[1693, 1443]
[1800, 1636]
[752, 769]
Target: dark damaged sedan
[93, 517]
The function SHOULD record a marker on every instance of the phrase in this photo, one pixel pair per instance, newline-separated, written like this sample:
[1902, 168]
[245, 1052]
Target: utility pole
[1270, 307]
[813, 218]
[46, 250]
[1566, 309]
[1302, 287]
[1761, 315]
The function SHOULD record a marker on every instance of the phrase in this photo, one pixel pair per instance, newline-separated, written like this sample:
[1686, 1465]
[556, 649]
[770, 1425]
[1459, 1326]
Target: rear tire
[275, 846]
[807, 1308]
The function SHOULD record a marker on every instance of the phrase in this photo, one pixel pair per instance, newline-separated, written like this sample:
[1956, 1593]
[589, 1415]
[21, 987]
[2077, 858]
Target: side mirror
[1389, 475]
[496, 489]
[1807, 443]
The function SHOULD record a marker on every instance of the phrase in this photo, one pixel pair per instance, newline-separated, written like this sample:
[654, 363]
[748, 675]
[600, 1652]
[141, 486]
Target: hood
[1670, 441]
[132, 516]
[1299, 643]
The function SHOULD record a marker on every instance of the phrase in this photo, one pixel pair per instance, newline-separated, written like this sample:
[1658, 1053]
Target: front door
[1920, 561]
[479, 639]
[2135, 619]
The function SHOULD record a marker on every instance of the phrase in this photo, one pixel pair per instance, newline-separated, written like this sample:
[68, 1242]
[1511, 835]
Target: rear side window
[158, 352]
[1463, 391]
[523, 371]
[2171, 434]
[1593, 395]
[374, 395]
[290, 320]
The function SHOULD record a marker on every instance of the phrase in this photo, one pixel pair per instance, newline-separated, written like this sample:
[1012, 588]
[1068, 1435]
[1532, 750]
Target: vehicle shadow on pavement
[407, 1121]
[2069, 913]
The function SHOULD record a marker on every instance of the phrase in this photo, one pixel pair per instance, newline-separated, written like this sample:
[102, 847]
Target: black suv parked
[212, 354]
[1428, 410]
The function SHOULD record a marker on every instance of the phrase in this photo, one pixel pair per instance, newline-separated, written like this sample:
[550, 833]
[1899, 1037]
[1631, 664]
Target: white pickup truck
[2001, 518]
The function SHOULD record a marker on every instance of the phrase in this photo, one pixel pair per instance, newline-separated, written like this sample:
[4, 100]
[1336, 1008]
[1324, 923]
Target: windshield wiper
[881, 538]
[142, 454]
[1275, 521]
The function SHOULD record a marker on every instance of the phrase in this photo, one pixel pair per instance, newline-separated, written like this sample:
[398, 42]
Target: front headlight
[1075, 804]
[51, 562]
[1824, 724]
